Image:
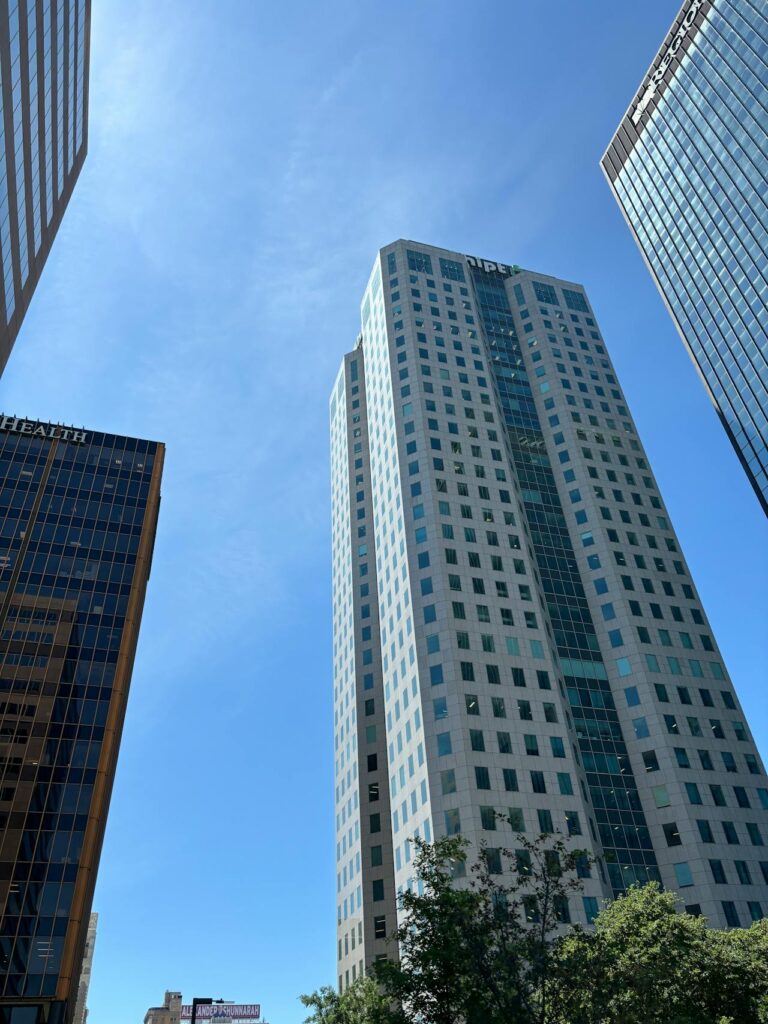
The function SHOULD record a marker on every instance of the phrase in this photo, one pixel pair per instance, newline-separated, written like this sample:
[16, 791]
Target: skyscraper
[78, 513]
[44, 52]
[81, 1005]
[515, 626]
[687, 167]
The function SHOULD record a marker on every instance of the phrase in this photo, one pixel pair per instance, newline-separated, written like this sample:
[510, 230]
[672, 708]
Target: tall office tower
[44, 49]
[515, 626]
[687, 167]
[81, 1005]
[78, 513]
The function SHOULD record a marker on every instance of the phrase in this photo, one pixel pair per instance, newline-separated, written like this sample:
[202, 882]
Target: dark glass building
[687, 166]
[78, 512]
[44, 50]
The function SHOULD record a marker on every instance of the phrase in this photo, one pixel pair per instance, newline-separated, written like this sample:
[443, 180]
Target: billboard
[234, 1011]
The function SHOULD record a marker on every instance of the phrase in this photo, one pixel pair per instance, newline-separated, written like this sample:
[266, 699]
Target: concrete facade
[515, 626]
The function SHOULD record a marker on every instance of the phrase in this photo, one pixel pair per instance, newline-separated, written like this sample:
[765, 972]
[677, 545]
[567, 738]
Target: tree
[475, 951]
[361, 1003]
[479, 951]
[646, 963]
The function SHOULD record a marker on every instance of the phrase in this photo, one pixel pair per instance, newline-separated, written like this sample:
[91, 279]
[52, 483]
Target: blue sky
[246, 162]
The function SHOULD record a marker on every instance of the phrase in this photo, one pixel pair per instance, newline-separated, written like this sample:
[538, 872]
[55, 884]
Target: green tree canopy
[646, 963]
[476, 948]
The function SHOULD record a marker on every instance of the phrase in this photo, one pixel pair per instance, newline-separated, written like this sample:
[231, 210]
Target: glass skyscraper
[44, 50]
[78, 513]
[516, 629]
[688, 168]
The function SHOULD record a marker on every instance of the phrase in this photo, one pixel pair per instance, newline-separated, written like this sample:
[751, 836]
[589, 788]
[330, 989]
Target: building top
[43, 430]
[676, 44]
[477, 262]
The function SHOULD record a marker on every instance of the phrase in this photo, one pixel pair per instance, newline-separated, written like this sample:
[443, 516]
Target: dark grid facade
[44, 56]
[687, 167]
[78, 514]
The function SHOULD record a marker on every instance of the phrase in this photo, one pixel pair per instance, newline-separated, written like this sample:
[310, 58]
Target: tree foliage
[646, 963]
[361, 1003]
[474, 949]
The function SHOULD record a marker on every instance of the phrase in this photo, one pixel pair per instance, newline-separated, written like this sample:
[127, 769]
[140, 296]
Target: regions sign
[657, 76]
[235, 1011]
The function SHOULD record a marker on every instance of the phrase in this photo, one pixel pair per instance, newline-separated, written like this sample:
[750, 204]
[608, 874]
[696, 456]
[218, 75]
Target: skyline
[139, 267]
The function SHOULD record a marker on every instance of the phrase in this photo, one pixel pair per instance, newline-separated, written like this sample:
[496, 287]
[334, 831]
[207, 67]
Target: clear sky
[247, 159]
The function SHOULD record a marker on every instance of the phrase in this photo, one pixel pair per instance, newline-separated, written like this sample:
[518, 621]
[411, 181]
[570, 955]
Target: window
[524, 710]
[482, 778]
[452, 823]
[420, 262]
[705, 831]
[683, 875]
[572, 823]
[590, 908]
[650, 760]
[661, 796]
[731, 914]
[545, 293]
[694, 796]
[682, 757]
[499, 708]
[488, 819]
[516, 819]
[378, 890]
[493, 860]
[476, 739]
[742, 870]
[753, 831]
[671, 834]
[545, 821]
[440, 708]
[538, 783]
[564, 783]
[718, 872]
[448, 782]
[640, 725]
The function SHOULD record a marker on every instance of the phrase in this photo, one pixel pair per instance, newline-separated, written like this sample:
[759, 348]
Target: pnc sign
[489, 267]
[34, 428]
[657, 76]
